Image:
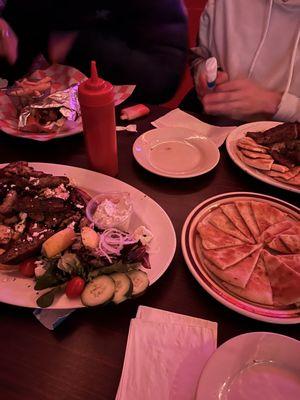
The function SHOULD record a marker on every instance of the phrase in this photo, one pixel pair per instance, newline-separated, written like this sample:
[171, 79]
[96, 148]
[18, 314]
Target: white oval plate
[19, 291]
[257, 365]
[175, 152]
[210, 283]
[231, 146]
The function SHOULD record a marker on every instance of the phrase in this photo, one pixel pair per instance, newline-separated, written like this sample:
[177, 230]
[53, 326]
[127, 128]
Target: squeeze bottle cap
[211, 70]
[95, 91]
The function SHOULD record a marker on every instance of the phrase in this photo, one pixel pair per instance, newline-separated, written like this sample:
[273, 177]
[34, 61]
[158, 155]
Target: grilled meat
[280, 133]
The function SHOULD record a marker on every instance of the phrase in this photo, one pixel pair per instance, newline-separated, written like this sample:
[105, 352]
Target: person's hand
[241, 98]
[8, 43]
[201, 86]
[60, 43]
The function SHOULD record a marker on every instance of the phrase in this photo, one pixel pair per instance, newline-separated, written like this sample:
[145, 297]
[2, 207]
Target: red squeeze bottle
[96, 99]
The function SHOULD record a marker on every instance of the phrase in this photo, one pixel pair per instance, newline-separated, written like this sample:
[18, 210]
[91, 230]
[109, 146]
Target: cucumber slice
[124, 287]
[140, 281]
[100, 291]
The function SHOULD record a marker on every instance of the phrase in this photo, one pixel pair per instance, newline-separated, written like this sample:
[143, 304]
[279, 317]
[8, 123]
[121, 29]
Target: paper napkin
[165, 355]
[179, 118]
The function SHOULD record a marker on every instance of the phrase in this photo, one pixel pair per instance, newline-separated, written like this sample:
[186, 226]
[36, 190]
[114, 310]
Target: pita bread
[255, 154]
[285, 282]
[295, 181]
[219, 220]
[292, 242]
[285, 175]
[266, 215]
[245, 210]
[294, 229]
[278, 167]
[292, 260]
[248, 143]
[258, 288]
[232, 213]
[225, 258]
[278, 245]
[259, 163]
[237, 275]
[213, 238]
[274, 230]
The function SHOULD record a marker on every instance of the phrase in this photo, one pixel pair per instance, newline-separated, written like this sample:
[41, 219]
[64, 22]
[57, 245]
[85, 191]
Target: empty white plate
[175, 152]
[253, 366]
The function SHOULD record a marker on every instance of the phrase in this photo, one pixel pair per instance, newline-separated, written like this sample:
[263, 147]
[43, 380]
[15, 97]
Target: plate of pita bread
[269, 151]
[244, 249]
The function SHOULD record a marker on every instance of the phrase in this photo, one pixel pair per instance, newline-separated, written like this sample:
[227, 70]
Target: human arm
[143, 43]
[8, 42]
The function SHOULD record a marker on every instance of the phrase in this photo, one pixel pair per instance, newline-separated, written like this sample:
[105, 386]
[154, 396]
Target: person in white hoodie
[257, 47]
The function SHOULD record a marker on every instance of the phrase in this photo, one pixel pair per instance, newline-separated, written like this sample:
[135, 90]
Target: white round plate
[19, 291]
[175, 152]
[231, 146]
[257, 365]
[287, 315]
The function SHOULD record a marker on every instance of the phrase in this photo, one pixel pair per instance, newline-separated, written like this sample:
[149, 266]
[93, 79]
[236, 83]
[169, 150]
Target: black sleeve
[144, 43]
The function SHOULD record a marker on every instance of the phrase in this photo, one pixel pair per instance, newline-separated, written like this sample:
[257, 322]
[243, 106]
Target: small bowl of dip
[110, 210]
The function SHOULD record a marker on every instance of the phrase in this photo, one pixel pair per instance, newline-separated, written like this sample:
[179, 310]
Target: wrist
[272, 102]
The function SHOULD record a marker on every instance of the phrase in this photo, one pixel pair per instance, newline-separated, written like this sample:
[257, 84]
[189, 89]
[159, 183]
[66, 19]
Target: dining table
[83, 357]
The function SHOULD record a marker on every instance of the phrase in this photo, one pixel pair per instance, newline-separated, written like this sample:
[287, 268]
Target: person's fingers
[230, 108]
[202, 85]
[230, 86]
[221, 97]
[8, 43]
[222, 77]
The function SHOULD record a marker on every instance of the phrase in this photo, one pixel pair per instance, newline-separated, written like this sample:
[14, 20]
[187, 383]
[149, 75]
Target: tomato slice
[27, 267]
[75, 287]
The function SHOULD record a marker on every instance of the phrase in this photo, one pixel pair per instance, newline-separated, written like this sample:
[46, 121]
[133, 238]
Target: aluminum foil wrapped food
[56, 112]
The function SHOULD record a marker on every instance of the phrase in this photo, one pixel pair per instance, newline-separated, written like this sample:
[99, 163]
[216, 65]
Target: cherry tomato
[75, 287]
[27, 267]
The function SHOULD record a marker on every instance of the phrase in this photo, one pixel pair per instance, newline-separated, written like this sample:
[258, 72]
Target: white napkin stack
[165, 355]
[179, 118]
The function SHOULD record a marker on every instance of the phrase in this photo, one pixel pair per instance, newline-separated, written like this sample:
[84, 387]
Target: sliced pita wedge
[279, 168]
[259, 163]
[295, 181]
[292, 242]
[225, 258]
[285, 175]
[245, 210]
[232, 213]
[285, 282]
[248, 143]
[294, 229]
[278, 245]
[219, 220]
[265, 215]
[274, 230]
[292, 260]
[237, 275]
[255, 154]
[213, 238]
[258, 288]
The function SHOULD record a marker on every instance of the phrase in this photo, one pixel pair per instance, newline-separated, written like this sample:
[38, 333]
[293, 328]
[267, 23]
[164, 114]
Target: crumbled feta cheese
[39, 270]
[79, 206]
[143, 234]
[29, 238]
[12, 185]
[59, 192]
[27, 188]
[34, 225]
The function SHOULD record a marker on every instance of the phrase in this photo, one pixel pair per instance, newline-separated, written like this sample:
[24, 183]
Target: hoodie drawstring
[292, 63]
[262, 40]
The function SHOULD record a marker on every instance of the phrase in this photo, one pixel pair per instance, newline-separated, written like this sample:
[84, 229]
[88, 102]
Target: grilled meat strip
[280, 133]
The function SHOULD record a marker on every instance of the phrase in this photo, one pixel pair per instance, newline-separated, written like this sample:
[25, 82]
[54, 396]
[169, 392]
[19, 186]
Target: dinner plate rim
[170, 227]
[231, 149]
[147, 165]
[232, 301]
[239, 339]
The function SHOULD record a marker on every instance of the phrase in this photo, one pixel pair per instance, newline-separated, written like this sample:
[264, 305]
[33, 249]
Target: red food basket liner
[62, 77]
